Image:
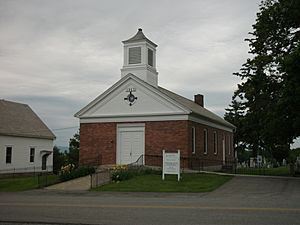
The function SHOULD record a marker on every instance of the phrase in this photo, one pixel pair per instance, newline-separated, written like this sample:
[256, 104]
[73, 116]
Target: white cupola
[140, 58]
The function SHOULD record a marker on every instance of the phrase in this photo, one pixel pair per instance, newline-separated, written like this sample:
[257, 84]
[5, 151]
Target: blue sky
[57, 56]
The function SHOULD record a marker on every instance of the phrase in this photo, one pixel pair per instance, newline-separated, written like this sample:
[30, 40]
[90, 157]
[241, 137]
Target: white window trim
[205, 134]
[194, 140]
[229, 145]
[215, 142]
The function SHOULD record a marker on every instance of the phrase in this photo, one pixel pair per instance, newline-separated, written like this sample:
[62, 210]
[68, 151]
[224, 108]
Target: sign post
[171, 164]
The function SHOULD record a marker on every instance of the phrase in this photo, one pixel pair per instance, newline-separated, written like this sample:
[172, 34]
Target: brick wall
[98, 141]
[167, 135]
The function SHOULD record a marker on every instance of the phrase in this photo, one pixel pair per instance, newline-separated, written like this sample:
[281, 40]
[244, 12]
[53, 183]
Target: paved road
[243, 200]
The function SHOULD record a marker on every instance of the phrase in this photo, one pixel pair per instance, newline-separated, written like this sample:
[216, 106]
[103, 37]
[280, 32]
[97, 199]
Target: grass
[279, 171]
[154, 183]
[14, 184]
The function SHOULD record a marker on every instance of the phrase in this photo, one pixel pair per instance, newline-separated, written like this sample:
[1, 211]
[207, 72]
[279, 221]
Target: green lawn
[279, 171]
[25, 183]
[154, 183]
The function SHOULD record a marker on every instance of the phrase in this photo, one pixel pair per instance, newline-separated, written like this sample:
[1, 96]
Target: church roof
[190, 106]
[17, 119]
[195, 108]
[140, 36]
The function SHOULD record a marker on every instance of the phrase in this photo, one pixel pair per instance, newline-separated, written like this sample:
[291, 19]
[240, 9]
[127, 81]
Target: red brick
[98, 141]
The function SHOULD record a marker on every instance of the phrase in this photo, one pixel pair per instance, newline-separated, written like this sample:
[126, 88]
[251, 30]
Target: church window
[193, 140]
[215, 143]
[205, 141]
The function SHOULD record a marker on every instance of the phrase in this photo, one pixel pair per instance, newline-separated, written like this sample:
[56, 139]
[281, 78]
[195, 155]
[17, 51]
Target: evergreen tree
[269, 95]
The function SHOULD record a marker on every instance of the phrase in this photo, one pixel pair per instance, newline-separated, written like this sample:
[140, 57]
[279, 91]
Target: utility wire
[64, 128]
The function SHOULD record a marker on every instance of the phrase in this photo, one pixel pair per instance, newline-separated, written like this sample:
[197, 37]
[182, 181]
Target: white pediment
[149, 101]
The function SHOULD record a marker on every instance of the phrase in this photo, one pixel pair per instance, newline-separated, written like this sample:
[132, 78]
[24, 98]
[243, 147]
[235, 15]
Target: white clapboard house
[26, 143]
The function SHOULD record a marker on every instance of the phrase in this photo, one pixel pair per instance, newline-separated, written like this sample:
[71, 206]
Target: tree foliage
[266, 104]
[73, 154]
[61, 159]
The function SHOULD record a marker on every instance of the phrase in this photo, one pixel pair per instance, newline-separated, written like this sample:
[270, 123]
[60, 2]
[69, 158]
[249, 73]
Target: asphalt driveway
[243, 200]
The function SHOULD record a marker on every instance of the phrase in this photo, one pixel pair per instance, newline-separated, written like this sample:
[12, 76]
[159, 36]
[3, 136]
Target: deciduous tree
[269, 95]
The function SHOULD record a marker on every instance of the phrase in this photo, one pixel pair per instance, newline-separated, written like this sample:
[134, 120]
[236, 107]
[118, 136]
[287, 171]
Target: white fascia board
[132, 115]
[120, 82]
[162, 95]
[126, 125]
[134, 119]
[210, 123]
[100, 97]
[155, 90]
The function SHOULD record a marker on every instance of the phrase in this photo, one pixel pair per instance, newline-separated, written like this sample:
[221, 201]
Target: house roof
[17, 119]
[140, 36]
[195, 108]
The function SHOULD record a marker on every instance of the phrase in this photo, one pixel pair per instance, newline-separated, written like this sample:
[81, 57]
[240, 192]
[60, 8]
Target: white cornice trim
[134, 119]
[209, 123]
[133, 115]
[122, 125]
[118, 119]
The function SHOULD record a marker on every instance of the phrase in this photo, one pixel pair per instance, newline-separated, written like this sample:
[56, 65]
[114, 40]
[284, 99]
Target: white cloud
[59, 55]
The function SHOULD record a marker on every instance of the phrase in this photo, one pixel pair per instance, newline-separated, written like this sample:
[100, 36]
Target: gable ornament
[131, 98]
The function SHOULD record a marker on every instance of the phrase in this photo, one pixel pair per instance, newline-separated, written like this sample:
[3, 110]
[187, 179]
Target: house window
[215, 142]
[135, 55]
[205, 141]
[150, 57]
[8, 154]
[32, 151]
[193, 140]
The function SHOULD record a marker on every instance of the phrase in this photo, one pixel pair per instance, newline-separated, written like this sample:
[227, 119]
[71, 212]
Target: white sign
[171, 164]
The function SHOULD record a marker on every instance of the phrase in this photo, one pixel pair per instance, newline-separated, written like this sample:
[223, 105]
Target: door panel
[131, 145]
[44, 162]
[125, 148]
[137, 145]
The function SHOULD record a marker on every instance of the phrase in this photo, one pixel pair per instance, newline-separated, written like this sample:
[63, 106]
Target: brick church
[136, 117]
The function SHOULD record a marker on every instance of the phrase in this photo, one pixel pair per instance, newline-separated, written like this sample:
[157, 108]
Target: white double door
[131, 143]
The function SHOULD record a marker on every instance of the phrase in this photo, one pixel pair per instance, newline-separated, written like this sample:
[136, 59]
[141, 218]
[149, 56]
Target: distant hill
[63, 148]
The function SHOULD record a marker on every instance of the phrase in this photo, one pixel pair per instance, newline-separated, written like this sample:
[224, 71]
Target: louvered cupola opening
[135, 55]
[140, 58]
[150, 57]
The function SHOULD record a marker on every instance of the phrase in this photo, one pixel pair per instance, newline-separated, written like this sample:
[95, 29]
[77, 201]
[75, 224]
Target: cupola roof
[140, 36]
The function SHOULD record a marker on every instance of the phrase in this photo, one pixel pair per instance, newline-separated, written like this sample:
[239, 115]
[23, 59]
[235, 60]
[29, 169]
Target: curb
[248, 175]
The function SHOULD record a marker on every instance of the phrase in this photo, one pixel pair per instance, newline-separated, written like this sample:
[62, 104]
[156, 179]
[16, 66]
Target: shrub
[120, 172]
[123, 172]
[69, 172]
